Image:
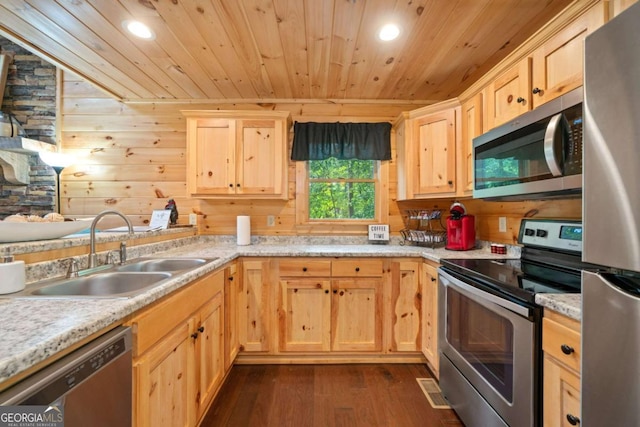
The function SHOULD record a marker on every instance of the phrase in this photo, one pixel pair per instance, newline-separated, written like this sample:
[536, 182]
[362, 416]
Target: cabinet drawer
[305, 268]
[357, 268]
[152, 324]
[558, 340]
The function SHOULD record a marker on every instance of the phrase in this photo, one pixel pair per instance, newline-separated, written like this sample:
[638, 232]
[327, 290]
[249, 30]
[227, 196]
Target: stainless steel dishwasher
[92, 385]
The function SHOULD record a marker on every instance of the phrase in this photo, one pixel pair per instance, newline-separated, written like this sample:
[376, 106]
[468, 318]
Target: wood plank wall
[132, 157]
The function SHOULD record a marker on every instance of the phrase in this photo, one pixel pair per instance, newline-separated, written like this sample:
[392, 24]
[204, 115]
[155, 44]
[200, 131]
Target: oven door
[487, 344]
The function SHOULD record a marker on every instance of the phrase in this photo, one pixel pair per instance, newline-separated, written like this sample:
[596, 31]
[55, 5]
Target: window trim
[302, 202]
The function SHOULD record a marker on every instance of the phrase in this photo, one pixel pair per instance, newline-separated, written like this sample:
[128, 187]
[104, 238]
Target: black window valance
[320, 141]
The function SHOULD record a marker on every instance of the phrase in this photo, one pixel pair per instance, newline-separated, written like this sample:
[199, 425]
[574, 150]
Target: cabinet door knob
[357, 269]
[230, 185]
[433, 279]
[238, 185]
[304, 268]
[231, 279]
[520, 100]
[194, 335]
[201, 329]
[326, 291]
[335, 291]
[536, 90]
[573, 420]
[450, 182]
[566, 349]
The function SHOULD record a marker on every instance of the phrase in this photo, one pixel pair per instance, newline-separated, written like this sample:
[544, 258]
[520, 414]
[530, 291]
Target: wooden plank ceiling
[276, 49]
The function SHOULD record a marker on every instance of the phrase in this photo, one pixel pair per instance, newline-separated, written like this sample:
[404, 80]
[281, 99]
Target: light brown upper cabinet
[426, 144]
[237, 154]
[558, 64]
[471, 127]
[550, 70]
[509, 95]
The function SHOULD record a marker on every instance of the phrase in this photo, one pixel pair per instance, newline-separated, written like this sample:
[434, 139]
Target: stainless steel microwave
[536, 155]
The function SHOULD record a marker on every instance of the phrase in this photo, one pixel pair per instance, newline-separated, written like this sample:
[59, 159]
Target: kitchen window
[341, 172]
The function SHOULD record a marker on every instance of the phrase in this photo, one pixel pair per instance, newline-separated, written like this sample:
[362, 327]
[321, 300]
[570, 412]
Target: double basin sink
[118, 281]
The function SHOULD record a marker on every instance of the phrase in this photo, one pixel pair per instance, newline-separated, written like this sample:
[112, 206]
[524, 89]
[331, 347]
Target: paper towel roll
[13, 277]
[244, 230]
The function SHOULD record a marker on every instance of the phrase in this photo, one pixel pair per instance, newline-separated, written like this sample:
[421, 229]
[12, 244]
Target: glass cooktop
[515, 277]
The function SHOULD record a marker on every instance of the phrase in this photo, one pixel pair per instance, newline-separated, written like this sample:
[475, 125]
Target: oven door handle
[486, 296]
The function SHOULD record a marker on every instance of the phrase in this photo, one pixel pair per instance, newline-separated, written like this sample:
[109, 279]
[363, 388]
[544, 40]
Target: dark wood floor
[326, 395]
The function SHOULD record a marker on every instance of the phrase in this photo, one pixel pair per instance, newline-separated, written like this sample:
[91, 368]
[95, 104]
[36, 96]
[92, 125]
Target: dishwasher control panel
[94, 363]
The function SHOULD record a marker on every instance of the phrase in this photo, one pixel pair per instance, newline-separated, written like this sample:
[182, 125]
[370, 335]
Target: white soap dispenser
[12, 276]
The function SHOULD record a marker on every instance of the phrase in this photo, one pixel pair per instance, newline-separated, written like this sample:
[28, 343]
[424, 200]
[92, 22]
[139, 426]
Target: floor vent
[431, 389]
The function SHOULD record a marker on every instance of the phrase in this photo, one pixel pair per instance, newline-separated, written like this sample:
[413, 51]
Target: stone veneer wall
[30, 96]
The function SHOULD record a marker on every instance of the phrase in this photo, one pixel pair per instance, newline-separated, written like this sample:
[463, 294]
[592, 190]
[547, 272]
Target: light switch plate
[271, 220]
[193, 219]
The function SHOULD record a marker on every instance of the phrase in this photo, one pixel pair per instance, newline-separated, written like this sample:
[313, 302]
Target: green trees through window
[342, 189]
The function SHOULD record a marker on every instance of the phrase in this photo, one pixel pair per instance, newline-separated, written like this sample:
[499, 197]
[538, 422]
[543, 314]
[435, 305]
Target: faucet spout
[93, 257]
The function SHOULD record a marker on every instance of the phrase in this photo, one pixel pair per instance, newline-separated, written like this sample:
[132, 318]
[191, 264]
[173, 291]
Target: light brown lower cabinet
[326, 305]
[356, 314]
[406, 305]
[430, 316]
[305, 315]
[256, 303]
[178, 362]
[561, 389]
[232, 294]
[323, 305]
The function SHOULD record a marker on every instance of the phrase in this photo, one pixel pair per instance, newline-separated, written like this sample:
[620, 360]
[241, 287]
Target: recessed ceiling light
[139, 29]
[389, 32]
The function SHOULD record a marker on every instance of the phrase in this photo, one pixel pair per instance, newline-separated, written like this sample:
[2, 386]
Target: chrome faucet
[93, 257]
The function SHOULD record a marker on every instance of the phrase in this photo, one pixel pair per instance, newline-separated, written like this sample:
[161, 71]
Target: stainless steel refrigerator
[611, 217]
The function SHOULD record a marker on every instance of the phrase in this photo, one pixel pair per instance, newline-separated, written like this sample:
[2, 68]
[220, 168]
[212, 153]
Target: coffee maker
[461, 229]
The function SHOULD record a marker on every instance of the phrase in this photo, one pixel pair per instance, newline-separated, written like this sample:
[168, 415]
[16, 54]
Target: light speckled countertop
[34, 329]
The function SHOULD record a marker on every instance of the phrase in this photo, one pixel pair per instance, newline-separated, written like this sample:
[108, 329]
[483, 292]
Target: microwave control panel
[573, 148]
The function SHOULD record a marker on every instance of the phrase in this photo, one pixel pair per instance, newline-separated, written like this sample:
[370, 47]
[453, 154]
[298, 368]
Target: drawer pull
[201, 329]
[357, 268]
[566, 349]
[304, 268]
[194, 335]
[573, 420]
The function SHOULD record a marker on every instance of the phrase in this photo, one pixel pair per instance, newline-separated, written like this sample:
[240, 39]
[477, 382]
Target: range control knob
[529, 232]
[541, 233]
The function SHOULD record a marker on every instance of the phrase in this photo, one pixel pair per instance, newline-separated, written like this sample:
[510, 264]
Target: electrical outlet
[502, 224]
[193, 219]
[271, 221]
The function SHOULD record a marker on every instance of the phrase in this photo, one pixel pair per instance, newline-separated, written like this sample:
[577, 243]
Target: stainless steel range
[490, 326]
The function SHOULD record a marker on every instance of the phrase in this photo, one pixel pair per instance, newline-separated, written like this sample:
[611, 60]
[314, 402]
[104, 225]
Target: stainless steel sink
[164, 264]
[113, 284]
[121, 281]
